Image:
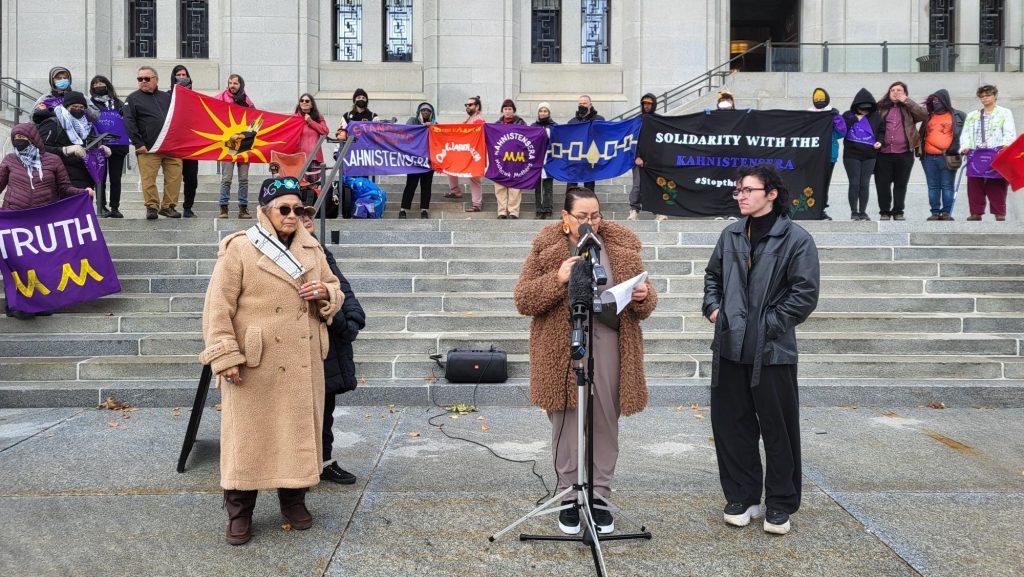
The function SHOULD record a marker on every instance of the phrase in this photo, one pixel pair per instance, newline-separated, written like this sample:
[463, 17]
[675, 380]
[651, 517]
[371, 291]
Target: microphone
[590, 247]
[580, 295]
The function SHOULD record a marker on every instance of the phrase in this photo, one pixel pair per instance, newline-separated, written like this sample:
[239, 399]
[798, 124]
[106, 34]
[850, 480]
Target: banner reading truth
[592, 150]
[458, 149]
[383, 148]
[690, 162]
[54, 256]
[199, 127]
[515, 154]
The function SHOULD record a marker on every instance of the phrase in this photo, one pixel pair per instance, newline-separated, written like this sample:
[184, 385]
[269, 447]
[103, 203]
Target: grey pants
[634, 193]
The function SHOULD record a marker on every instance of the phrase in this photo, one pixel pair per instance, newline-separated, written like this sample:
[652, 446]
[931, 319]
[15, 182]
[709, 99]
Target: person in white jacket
[991, 127]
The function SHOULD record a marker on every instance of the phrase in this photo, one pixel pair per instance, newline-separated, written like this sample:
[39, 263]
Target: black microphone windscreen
[585, 229]
[580, 288]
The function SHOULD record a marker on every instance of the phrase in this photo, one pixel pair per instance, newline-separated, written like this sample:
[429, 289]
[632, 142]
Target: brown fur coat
[539, 294]
[254, 317]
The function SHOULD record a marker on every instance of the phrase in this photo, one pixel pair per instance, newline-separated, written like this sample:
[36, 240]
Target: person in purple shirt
[900, 141]
[106, 106]
[860, 150]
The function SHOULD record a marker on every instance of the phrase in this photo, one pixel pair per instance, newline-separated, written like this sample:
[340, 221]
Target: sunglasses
[305, 101]
[300, 211]
[144, 78]
[468, 104]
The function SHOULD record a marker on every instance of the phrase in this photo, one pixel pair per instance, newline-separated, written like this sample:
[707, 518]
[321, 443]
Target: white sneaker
[661, 217]
[633, 214]
[736, 515]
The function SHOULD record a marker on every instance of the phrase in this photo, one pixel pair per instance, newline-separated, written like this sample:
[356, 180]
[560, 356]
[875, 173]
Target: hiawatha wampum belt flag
[690, 162]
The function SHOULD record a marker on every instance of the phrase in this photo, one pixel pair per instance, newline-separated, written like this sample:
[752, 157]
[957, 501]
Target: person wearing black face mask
[360, 108]
[189, 168]
[105, 105]
[864, 129]
[940, 137]
[585, 112]
[66, 133]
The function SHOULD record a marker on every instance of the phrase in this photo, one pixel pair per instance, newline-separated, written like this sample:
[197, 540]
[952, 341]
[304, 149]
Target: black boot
[239, 505]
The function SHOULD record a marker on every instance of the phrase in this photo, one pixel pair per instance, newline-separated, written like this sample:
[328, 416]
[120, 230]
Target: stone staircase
[910, 312]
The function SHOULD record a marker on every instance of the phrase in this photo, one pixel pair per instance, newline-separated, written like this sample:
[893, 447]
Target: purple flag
[96, 165]
[52, 101]
[54, 256]
[383, 148]
[515, 154]
[111, 122]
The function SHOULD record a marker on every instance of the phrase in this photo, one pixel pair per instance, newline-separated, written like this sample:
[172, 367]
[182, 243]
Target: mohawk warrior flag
[1010, 163]
[458, 149]
[54, 256]
[515, 154]
[199, 127]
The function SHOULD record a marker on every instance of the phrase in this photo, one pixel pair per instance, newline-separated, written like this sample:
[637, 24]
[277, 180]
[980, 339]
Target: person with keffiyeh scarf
[66, 133]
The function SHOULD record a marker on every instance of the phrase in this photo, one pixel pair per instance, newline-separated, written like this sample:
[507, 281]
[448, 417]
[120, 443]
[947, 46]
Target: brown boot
[974, 217]
[293, 507]
[223, 212]
[243, 212]
[1000, 217]
[239, 505]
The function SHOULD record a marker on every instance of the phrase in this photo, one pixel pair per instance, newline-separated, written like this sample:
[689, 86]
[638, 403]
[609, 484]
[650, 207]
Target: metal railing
[885, 56]
[697, 86]
[18, 96]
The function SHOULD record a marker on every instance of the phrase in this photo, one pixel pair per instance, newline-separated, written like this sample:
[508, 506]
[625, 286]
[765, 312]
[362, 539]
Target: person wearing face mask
[725, 100]
[820, 102]
[189, 168]
[940, 137]
[360, 108]
[473, 107]
[900, 142]
[424, 116]
[235, 94]
[545, 187]
[60, 84]
[66, 133]
[30, 177]
[648, 104]
[860, 150]
[107, 108]
[585, 112]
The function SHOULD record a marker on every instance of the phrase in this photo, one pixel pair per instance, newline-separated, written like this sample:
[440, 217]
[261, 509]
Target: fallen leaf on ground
[414, 434]
[429, 379]
[694, 406]
[484, 428]
[453, 417]
[391, 408]
[461, 408]
[176, 412]
[286, 527]
[480, 418]
[217, 407]
[889, 414]
[113, 405]
[125, 416]
[113, 424]
[698, 416]
[362, 380]
[936, 405]
[680, 408]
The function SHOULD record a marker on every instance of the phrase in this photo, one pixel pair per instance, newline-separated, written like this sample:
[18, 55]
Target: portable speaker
[476, 366]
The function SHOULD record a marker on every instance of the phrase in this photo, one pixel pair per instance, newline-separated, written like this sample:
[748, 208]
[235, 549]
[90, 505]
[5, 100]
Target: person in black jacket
[761, 282]
[189, 167]
[145, 111]
[65, 132]
[585, 112]
[339, 366]
[106, 107]
[864, 130]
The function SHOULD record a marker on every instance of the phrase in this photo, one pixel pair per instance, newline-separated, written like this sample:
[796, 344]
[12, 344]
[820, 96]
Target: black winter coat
[55, 138]
[772, 297]
[339, 366]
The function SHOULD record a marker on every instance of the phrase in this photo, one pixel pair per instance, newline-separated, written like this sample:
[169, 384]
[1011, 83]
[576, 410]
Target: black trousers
[892, 173]
[424, 179]
[859, 171]
[115, 169]
[327, 434]
[739, 415]
[829, 169]
[190, 179]
[542, 195]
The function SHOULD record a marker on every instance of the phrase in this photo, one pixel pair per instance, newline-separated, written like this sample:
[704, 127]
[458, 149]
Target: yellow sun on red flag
[232, 128]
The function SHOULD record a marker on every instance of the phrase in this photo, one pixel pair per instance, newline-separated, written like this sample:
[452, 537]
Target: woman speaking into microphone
[618, 347]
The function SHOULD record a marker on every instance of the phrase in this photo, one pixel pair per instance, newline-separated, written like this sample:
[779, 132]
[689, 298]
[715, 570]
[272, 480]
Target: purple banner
[515, 154]
[52, 101]
[111, 122]
[383, 148]
[96, 165]
[54, 256]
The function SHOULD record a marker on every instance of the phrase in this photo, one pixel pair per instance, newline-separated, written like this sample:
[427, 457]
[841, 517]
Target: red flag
[458, 149]
[1010, 163]
[199, 127]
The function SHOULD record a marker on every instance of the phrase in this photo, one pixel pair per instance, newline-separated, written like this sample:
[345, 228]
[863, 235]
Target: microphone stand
[583, 487]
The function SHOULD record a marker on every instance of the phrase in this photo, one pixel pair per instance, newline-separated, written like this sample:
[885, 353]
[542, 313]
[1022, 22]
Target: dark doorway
[753, 22]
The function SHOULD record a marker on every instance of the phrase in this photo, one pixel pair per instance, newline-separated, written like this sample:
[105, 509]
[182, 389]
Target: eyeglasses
[144, 78]
[468, 104]
[300, 210]
[591, 218]
[745, 191]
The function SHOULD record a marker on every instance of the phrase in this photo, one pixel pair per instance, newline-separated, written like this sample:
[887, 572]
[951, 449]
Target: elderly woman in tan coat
[619, 384]
[264, 325]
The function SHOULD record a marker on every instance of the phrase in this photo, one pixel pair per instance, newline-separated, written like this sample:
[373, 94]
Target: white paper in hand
[623, 292]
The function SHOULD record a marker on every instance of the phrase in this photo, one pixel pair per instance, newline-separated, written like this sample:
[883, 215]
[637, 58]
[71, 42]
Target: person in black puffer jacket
[339, 366]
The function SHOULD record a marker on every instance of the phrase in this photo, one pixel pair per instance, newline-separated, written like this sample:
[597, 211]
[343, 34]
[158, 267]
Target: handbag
[953, 161]
[475, 366]
[979, 163]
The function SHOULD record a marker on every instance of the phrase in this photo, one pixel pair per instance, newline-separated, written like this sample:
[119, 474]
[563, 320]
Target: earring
[565, 227]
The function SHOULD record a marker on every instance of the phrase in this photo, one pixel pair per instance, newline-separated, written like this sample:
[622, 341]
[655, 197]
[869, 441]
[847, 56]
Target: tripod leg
[197, 415]
[538, 511]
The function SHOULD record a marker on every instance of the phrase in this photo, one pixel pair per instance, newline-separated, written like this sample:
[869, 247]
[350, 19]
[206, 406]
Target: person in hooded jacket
[60, 84]
[860, 150]
[821, 102]
[940, 137]
[107, 108]
[66, 132]
[424, 116]
[900, 142]
[648, 104]
[546, 185]
[189, 167]
[235, 94]
[30, 177]
[360, 109]
[509, 199]
[585, 112]
[339, 366]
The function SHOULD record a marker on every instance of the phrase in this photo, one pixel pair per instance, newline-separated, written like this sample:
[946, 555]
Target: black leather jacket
[771, 298]
[339, 366]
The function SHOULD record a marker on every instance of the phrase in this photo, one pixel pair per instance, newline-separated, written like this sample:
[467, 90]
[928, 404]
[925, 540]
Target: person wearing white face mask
[725, 100]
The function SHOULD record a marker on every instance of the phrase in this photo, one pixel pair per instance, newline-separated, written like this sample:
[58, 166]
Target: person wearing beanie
[235, 94]
[545, 187]
[66, 132]
[360, 109]
[424, 116]
[509, 199]
[820, 102]
[473, 107]
[585, 112]
[648, 105]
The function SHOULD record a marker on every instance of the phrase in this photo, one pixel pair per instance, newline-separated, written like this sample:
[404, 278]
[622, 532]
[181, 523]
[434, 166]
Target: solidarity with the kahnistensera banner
[690, 162]
[54, 256]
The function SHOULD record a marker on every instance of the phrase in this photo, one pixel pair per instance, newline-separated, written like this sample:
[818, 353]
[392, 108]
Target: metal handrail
[703, 81]
[20, 89]
[943, 50]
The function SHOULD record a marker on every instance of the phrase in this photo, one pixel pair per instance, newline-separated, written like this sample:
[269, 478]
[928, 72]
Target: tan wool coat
[539, 294]
[254, 317]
